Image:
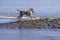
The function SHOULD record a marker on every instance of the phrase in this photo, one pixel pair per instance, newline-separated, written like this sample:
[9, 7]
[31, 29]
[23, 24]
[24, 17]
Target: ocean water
[43, 8]
[29, 34]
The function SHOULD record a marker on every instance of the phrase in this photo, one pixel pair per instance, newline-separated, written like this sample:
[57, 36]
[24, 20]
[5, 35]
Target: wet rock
[41, 23]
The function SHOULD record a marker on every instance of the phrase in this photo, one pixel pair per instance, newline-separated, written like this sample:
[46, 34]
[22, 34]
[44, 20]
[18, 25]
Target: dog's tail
[18, 10]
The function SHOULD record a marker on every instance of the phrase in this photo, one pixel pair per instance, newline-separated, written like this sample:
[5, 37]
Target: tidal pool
[29, 34]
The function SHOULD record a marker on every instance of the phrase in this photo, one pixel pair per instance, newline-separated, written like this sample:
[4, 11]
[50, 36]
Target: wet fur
[21, 13]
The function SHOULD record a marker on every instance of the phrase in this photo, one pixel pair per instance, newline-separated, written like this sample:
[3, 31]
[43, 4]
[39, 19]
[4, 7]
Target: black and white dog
[27, 12]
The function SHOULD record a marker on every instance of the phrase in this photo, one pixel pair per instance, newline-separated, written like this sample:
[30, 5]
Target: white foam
[11, 17]
[7, 19]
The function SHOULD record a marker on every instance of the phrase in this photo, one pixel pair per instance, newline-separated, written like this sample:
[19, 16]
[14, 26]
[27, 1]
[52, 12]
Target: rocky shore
[40, 23]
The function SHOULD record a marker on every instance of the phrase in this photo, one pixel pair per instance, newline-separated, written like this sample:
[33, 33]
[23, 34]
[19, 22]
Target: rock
[39, 23]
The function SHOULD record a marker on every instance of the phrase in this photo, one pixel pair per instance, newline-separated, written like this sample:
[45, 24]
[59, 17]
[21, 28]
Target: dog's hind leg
[19, 18]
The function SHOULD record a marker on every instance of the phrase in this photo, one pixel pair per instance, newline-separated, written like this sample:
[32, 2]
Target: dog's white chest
[31, 13]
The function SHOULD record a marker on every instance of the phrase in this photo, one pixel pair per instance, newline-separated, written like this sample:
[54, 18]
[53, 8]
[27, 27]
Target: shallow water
[5, 20]
[29, 34]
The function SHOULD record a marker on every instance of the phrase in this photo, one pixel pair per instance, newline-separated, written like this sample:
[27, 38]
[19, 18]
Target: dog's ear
[18, 10]
[32, 9]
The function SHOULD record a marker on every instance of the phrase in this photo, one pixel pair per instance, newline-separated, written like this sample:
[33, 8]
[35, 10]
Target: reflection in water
[29, 34]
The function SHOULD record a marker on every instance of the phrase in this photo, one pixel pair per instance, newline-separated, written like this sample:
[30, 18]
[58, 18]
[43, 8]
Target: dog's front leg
[32, 16]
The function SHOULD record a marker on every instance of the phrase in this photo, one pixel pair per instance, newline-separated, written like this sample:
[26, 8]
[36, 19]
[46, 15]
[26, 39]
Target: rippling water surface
[29, 34]
[43, 8]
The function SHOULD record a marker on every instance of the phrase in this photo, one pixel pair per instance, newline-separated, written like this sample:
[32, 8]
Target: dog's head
[31, 9]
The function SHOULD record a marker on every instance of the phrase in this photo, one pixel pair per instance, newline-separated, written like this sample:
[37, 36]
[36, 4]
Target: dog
[27, 12]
